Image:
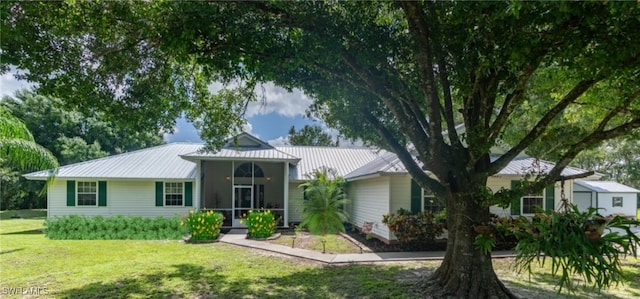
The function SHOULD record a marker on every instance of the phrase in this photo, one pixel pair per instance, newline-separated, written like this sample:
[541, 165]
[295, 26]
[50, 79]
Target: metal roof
[160, 162]
[343, 160]
[528, 165]
[605, 186]
[242, 154]
[385, 163]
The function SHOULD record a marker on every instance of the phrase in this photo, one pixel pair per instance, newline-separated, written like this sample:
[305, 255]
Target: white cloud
[272, 99]
[279, 100]
[280, 141]
[9, 84]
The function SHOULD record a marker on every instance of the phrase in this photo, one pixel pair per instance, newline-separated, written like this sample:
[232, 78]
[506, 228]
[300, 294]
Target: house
[248, 173]
[608, 197]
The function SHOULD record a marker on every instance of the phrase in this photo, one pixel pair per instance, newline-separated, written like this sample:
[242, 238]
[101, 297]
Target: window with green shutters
[174, 194]
[86, 193]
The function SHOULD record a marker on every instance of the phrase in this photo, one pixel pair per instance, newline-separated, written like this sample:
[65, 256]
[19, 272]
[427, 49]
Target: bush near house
[203, 225]
[416, 229]
[324, 202]
[260, 224]
[76, 227]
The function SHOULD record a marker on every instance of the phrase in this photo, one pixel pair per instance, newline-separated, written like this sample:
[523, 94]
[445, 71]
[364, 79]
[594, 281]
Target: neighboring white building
[608, 197]
[248, 173]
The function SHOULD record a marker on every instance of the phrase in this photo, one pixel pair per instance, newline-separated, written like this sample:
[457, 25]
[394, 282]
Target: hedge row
[75, 227]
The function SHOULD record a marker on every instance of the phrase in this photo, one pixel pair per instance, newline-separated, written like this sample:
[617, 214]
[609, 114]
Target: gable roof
[159, 162]
[605, 186]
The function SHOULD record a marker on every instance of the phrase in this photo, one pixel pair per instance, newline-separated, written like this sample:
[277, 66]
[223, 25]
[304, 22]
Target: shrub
[260, 224]
[323, 206]
[203, 225]
[76, 227]
[577, 243]
[416, 229]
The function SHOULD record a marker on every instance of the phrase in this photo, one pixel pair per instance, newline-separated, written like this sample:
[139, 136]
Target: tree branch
[541, 126]
[419, 30]
[403, 154]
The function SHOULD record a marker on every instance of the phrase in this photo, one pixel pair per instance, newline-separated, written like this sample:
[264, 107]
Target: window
[430, 202]
[531, 204]
[173, 193]
[87, 193]
[617, 202]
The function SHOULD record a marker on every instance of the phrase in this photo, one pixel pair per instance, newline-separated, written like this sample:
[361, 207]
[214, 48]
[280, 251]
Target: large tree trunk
[466, 272]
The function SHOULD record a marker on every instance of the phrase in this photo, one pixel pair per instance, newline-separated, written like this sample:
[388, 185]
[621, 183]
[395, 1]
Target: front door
[242, 202]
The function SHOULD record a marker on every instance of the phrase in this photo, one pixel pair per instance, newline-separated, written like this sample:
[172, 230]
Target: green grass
[152, 269]
[143, 269]
[26, 214]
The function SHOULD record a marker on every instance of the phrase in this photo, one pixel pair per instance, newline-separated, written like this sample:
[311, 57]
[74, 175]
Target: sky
[270, 120]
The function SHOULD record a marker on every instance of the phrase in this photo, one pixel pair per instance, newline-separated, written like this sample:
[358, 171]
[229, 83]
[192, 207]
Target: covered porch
[234, 187]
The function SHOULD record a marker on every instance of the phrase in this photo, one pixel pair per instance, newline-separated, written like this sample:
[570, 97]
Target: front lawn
[145, 269]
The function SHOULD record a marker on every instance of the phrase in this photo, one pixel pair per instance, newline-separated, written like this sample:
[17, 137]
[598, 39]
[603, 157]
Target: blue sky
[269, 120]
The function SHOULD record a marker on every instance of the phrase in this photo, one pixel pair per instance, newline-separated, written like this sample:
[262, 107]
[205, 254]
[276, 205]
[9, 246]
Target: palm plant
[18, 149]
[324, 203]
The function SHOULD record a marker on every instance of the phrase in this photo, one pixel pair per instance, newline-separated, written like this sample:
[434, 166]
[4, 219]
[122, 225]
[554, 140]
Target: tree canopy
[71, 135]
[310, 135]
[400, 75]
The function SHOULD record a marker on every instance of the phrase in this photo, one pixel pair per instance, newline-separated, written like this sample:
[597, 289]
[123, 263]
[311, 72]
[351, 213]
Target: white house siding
[369, 200]
[400, 192]
[296, 202]
[495, 183]
[629, 204]
[136, 198]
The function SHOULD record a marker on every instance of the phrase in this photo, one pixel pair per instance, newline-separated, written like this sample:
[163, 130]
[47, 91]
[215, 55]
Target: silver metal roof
[605, 186]
[160, 162]
[343, 160]
[528, 165]
[385, 163]
[242, 154]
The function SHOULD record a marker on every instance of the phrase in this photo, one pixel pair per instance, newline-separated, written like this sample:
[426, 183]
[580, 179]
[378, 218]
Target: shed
[608, 197]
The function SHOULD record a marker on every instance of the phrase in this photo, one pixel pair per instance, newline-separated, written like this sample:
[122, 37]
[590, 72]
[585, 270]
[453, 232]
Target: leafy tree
[71, 135]
[310, 135]
[19, 151]
[324, 203]
[391, 74]
[617, 159]
[18, 148]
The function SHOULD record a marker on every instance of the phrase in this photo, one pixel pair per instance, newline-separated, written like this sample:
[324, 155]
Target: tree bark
[466, 272]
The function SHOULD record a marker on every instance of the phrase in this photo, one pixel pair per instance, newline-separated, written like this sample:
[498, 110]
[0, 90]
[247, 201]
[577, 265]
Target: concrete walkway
[239, 237]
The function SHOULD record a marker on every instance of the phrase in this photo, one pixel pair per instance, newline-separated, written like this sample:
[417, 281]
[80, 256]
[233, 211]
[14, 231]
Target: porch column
[286, 194]
[198, 194]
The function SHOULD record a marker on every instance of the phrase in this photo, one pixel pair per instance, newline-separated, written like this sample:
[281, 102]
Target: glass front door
[242, 202]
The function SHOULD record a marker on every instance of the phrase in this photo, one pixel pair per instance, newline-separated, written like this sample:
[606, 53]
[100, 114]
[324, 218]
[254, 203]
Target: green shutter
[416, 197]
[515, 202]
[102, 194]
[550, 198]
[159, 194]
[71, 193]
[188, 194]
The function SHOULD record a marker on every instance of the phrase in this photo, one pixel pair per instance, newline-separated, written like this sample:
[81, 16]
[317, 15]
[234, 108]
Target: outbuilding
[608, 197]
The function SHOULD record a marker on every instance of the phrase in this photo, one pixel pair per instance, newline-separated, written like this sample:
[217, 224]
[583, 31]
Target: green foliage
[203, 225]
[578, 243]
[310, 135]
[70, 135]
[18, 148]
[416, 229]
[324, 203]
[260, 224]
[77, 227]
